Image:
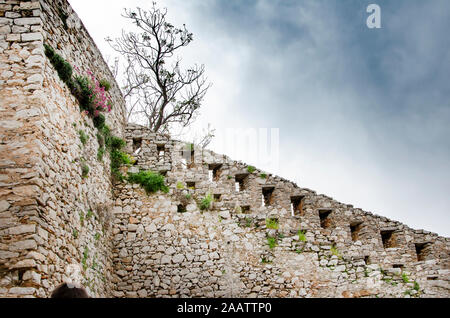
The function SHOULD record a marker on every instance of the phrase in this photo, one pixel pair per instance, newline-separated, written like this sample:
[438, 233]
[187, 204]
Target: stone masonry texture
[263, 236]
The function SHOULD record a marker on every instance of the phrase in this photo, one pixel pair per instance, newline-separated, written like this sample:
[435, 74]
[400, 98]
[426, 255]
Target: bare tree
[163, 93]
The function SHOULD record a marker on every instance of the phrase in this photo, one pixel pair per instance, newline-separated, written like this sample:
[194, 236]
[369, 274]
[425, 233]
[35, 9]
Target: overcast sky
[363, 114]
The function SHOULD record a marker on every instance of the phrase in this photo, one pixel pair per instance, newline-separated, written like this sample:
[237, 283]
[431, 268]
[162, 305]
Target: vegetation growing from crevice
[84, 170]
[63, 16]
[335, 251]
[405, 278]
[92, 99]
[105, 84]
[89, 214]
[272, 242]
[63, 68]
[100, 153]
[272, 223]
[302, 235]
[119, 158]
[82, 218]
[180, 185]
[251, 169]
[83, 137]
[149, 180]
[205, 203]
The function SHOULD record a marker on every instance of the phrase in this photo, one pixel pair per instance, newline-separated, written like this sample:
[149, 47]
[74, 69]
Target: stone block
[22, 291]
[23, 245]
[27, 21]
[28, 37]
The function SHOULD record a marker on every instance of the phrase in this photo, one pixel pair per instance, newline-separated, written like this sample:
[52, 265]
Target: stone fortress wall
[164, 245]
[130, 244]
[45, 223]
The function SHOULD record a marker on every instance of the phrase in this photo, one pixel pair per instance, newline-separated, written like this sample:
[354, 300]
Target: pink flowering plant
[91, 95]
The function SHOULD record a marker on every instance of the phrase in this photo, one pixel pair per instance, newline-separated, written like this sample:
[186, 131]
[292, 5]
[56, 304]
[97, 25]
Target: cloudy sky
[363, 114]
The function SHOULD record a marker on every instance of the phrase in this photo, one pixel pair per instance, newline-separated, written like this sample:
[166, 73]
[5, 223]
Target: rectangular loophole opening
[297, 205]
[163, 173]
[325, 219]
[187, 155]
[367, 259]
[183, 163]
[137, 145]
[210, 176]
[423, 251]
[355, 228]
[245, 209]
[267, 196]
[192, 158]
[190, 185]
[388, 238]
[401, 266]
[181, 208]
[240, 182]
[217, 197]
[160, 149]
[214, 171]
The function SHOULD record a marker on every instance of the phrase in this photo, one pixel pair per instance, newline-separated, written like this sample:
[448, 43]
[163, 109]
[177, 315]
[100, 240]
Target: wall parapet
[268, 218]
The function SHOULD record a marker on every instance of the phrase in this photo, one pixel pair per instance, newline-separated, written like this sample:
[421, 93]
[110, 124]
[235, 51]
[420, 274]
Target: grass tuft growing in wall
[405, 278]
[272, 242]
[83, 137]
[84, 170]
[205, 203]
[272, 224]
[302, 235]
[180, 185]
[89, 214]
[335, 251]
[251, 169]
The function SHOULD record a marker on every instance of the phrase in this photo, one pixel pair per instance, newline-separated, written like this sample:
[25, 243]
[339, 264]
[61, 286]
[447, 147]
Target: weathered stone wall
[45, 223]
[162, 251]
[129, 244]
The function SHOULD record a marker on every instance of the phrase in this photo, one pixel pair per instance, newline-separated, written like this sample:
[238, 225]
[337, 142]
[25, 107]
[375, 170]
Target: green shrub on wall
[63, 68]
[149, 180]
[99, 121]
